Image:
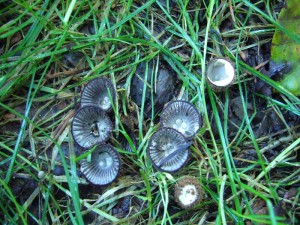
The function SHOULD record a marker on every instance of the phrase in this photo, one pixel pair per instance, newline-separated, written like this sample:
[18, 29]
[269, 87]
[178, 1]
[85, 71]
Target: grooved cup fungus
[182, 116]
[168, 150]
[188, 192]
[220, 73]
[98, 92]
[103, 167]
[91, 126]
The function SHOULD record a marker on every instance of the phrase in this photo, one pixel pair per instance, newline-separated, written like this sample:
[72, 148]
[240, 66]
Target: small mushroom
[220, 73]
[163, 85]
[98, 92]
[103, 167]
[168, 150]
[73, 59]
[91, 126]
[188, 192]
[182, 116]
[88, 29]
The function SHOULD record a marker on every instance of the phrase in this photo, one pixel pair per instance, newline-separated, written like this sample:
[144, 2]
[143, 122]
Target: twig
[231, 11]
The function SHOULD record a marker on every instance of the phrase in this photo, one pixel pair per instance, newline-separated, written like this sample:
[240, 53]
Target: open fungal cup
[168, 150]
[188, 192]
[98, 92]
[91, 126]
[104, 166]
[182, 116]
[220, 73]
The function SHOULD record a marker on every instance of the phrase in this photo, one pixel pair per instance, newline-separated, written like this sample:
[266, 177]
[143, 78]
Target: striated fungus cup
[220, 73]
[91, 126]
[98, 92]
[103, 167]
[182, 116]
[168, 150]
[188, 192]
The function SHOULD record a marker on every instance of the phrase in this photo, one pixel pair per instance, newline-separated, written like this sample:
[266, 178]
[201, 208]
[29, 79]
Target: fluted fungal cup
[91, 126]
[104, 166]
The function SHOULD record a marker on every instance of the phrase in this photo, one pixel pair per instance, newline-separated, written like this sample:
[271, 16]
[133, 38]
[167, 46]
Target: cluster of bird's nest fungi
[168, 147]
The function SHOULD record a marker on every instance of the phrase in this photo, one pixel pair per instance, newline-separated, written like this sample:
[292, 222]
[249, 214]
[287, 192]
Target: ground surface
[245, 156]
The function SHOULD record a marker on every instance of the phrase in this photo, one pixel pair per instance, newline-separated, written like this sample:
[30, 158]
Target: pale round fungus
[220, 72]
[188, 194]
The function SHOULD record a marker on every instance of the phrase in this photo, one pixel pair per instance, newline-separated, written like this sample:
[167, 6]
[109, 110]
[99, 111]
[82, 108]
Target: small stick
[178, 150]
[231, 11]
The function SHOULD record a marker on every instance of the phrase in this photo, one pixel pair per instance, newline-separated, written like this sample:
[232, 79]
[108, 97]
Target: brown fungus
[188, 192]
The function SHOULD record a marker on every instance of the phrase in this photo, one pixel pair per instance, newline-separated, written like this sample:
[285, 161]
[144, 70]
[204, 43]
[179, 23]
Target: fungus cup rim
[214, 84]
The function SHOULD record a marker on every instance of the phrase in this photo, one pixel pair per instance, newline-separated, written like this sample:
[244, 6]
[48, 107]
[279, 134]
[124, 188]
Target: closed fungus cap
[129, 144]
[104, 166]
[168, 150]
[220, 73]
[182, 116]
[188, 192]
[98, 92]
[91, 126]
